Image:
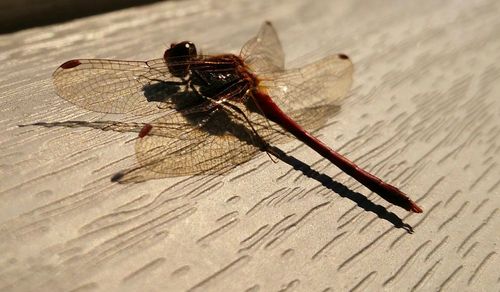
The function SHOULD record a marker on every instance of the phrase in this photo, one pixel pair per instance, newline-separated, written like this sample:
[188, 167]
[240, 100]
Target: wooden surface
[423, 114]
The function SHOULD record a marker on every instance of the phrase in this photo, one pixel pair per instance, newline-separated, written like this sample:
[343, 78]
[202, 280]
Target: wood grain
[423, 114]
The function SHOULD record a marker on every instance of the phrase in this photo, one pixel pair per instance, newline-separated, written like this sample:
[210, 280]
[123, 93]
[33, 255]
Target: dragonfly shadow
[342, 190]
[171, 94]
[165, 162]
[159, 90]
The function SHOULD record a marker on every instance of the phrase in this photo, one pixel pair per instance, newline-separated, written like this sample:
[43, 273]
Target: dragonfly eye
[178, 58]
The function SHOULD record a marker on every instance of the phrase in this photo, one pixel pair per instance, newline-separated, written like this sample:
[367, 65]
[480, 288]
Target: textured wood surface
[423, 114]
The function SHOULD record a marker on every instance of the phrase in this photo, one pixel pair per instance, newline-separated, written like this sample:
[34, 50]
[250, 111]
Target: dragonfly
[211, 113]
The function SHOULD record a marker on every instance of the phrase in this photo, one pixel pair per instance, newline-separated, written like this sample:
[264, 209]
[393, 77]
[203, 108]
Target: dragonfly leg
[261, 142]
[222, 102]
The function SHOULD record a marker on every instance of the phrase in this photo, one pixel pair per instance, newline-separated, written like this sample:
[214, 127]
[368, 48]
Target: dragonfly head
[178, 58]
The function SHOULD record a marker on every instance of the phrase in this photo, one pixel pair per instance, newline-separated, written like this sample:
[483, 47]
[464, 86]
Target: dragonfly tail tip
[415, 208]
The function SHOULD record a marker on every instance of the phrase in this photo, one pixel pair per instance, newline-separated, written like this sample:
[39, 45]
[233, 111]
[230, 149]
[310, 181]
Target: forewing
[263, 53]
[112, 86]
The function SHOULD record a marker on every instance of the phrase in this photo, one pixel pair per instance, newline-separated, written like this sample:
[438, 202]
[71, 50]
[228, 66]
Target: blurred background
[16, 15]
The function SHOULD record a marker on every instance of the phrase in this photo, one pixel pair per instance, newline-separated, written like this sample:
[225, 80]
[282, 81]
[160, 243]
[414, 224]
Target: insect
[211, 113]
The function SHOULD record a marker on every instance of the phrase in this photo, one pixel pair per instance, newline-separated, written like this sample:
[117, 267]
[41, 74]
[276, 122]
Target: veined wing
[324, 82]
[264, 53]
[202, 139]
[114, 86]
[214, 141]
[195, 144]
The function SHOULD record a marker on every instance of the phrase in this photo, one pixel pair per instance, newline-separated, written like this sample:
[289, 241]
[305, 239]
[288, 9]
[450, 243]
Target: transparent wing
[322, 83]
[113, 86]
[201, 139]
[195, 144]
[263, 53]
[197, 137]
[210, 142]
[209, 138]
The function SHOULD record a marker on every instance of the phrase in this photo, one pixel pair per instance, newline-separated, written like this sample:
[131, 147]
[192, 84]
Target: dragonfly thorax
[220, 75]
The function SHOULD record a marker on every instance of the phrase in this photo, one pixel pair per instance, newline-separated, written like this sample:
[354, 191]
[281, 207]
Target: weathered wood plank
[423, 114]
